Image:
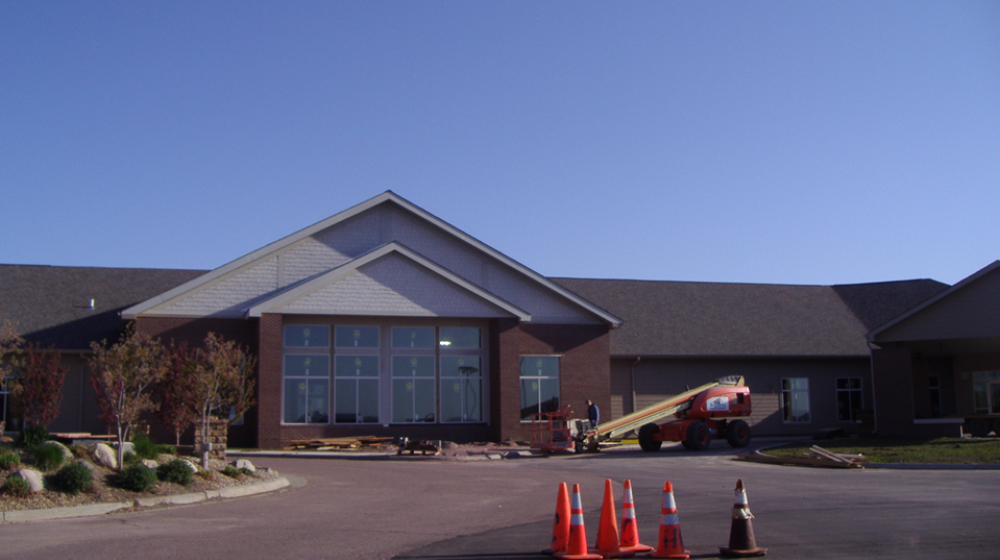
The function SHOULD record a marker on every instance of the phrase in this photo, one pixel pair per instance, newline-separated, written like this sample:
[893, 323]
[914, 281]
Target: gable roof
[700, 319]
[915, 313]
[313, 285]
[50, 305]
[384, 198]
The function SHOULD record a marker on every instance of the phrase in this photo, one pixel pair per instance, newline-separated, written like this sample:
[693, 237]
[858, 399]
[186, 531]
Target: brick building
[386, 320]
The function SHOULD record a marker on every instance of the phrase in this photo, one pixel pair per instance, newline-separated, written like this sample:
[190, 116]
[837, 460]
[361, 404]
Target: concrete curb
[175, 500]
[523, 454]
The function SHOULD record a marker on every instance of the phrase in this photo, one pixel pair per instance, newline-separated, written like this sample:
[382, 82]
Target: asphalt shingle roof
[700, 319]
[50, 304]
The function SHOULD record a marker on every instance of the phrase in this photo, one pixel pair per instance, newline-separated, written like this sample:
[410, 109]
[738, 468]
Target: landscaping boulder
[150, 464]
[244, 464]
[90, 466]
[191, 465]
[105, 456]
[66, 453]
[34, 479]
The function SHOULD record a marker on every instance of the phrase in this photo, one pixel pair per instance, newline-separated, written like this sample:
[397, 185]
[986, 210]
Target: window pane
[307, 335]
[424, 400]
[295, 401]
[357, 366]
[402, 400]
[319, 401]
[855, 383]
[786, 384]
[550, 395]
[303, 366]
[346, 403]
[460, 366]
[357, 337]
[529, 398]
[368, 400]
[460, 400]
[460, 337]
[843, 406]
[413, 337]
[540, 366]
[842, 383]
[413, 366]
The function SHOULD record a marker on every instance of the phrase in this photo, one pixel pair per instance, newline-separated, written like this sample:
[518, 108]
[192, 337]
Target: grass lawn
[966, 451]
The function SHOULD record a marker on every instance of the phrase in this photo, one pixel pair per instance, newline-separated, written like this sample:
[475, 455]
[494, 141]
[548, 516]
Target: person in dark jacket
[593, 414]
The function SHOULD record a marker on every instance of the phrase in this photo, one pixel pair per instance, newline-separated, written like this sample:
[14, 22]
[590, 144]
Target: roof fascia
[468, 239]
[372, 256]
[960, 285]
[264, 251]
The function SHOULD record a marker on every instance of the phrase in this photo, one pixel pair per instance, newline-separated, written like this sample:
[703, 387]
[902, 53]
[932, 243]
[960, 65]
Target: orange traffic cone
[607, 532]
[630, 529]
[741, 540]
[560, 528]
[670, 544]
[577, 547]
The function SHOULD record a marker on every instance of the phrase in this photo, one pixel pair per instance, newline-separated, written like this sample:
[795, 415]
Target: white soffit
[323, 280]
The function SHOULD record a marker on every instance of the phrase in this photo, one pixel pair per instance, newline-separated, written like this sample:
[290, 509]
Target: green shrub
[176, 471]
[9, 458]
[47, 457]
[233, 472]
[73, 478]
[17, 486]
[137, 478]
[130, 459]
[145, 448]
[31, 436]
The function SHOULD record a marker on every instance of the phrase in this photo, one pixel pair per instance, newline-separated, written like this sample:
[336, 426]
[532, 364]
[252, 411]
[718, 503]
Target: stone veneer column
[269, 382]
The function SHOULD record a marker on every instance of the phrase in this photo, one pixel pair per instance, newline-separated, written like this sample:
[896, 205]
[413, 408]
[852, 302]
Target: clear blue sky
[778, 142]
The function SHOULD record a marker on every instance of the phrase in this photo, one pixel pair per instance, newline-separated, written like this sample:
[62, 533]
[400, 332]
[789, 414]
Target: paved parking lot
[503, 509]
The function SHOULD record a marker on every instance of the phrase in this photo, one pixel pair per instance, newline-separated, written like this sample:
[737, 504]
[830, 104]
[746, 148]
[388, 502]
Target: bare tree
[11, 353]
[223, 383]
[123, 376]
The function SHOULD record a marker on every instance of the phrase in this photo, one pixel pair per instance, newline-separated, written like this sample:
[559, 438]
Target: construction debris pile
[360, 443]
[817, 457]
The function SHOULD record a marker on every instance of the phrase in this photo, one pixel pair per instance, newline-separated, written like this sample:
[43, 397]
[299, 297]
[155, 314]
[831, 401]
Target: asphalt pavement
[503, 509]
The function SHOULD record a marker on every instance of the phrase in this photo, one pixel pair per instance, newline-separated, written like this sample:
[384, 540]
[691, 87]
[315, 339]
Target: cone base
[620, 553]
[638, 548]
[687, 554]
[588, 556]
[733, 553]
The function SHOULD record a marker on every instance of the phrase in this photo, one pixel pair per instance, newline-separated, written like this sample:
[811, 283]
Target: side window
[849, 398]
[539, 385]
[795, 400]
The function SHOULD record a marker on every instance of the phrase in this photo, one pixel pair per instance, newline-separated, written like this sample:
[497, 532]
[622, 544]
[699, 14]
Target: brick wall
[584, 370]
[269, 431]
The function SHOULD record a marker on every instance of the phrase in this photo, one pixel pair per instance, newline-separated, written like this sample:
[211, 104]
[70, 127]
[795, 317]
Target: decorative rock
[66, 453]
[150, 464]
[267, 471]
[192, 466]
[34, 479]
[244, 464]
[128, 447]
[90, 466]
[105, 456]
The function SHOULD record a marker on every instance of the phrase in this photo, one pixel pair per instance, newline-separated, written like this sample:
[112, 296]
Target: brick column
[269, 382]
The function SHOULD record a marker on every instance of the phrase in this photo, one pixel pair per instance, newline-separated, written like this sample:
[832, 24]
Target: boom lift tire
[646, 438]
[737, 433]
[699, 436]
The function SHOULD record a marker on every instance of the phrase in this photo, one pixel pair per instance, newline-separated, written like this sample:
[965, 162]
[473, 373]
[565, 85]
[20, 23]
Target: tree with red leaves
[40, 386]
[223, 382]
[123, 376]
[179, 408]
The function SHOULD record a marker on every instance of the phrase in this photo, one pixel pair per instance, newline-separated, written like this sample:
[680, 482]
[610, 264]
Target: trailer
[694, 418]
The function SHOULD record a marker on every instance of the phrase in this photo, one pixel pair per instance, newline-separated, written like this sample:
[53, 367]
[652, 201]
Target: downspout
[871, 369]
[632, 381]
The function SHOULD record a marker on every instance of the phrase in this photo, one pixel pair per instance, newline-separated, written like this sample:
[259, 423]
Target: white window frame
[791, 393]
[359, 351]
[860, 390]
[521, 377]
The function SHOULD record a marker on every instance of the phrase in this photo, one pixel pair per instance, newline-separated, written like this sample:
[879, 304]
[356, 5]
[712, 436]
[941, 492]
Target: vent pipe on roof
[91, 306]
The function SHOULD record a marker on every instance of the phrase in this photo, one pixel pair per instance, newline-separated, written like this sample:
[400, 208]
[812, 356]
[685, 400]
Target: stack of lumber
[818, 457]
[336, 444]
